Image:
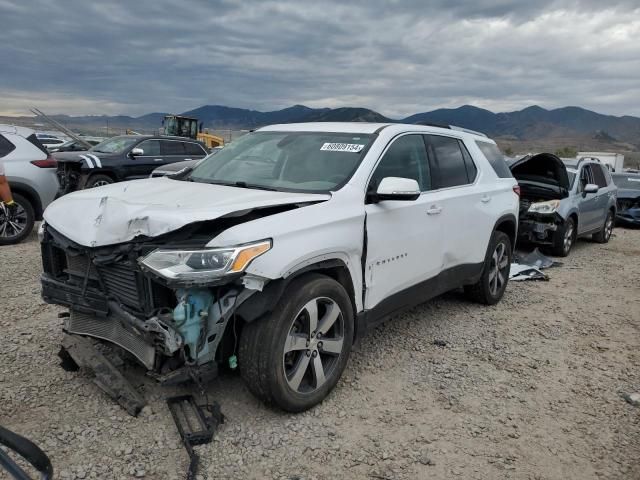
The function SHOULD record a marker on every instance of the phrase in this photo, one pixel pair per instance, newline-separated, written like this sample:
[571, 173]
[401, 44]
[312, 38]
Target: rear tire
[495, 273]
[15, 230]
[604, 235]
[283, 360]
[98, 180]
[564, 238]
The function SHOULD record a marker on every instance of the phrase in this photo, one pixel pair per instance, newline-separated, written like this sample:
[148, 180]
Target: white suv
[282, 250]
[32, 178]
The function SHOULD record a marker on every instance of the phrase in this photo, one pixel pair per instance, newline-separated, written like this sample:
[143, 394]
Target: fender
[264, 302]
[505, 219]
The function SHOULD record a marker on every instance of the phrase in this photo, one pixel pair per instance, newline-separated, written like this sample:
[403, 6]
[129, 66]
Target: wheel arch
[262, 303]
[31, 195]
[507, 224]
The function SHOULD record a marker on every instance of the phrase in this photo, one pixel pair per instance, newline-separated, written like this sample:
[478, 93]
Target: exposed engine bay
[543, 183]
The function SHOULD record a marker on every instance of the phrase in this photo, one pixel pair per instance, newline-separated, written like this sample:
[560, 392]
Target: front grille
[111, 329]
[122, 282]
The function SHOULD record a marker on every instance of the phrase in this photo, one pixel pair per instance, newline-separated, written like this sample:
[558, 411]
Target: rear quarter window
[194, 149]
[496, 159]
[6, 147]
[36, 142]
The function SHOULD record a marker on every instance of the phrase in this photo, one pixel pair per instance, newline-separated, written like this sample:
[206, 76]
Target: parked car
[282, 250]
[75, 146]
[50, 141]
[628, 207]
[31, 173]
[179, 167]
[174, 168]
[560, 204]
[125, 157]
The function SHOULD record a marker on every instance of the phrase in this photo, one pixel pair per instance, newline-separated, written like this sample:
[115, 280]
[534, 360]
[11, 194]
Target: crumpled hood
[120, 212]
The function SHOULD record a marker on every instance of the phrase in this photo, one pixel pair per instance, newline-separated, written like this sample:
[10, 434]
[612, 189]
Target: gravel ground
[529, 389]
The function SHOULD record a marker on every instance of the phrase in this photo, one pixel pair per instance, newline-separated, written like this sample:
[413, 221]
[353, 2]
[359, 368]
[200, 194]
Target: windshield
[288, 161]
[572, 176]
[114, 145]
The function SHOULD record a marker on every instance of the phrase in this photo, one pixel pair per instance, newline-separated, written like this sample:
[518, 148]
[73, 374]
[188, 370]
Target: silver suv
[561, 201]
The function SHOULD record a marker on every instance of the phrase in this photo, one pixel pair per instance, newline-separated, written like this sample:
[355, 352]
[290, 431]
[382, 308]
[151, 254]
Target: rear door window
[193, 149]
[448, 157]
[168, 147]
[599, 176]
[6, 147]
[496, 159]
[472, 170]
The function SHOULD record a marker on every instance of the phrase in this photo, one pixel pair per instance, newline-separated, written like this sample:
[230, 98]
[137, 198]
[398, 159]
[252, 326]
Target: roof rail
[467, 130]
[582, 159]
[451, 127]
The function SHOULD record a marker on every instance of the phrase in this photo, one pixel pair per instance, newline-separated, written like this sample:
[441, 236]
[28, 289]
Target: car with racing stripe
[125, 157]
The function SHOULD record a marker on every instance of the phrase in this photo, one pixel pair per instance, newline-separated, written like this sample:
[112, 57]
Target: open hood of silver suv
[120, 212]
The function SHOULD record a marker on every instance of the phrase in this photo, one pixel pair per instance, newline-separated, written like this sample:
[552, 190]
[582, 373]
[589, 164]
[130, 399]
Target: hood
[171, 168]
[120, 212]
[542, 168]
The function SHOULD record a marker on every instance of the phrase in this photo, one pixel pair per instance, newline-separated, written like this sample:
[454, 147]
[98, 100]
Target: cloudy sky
[397, 57]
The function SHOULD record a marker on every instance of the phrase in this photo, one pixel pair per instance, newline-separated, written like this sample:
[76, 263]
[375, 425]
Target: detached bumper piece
[106, 375]
[194, 425]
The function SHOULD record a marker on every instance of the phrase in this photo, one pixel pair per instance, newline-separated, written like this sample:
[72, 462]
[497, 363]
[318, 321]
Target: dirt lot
[528, 389]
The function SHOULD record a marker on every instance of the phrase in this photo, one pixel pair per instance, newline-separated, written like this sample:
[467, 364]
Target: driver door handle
[434, 210]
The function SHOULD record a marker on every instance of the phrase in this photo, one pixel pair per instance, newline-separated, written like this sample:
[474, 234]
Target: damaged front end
[544, 183]
[70, 176]
[166, 306]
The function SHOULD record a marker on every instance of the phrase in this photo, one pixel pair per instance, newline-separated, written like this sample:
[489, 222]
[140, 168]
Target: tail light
[516, 189]
[48, 162]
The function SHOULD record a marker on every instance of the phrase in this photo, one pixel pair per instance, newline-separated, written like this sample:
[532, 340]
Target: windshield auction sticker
[342, 147]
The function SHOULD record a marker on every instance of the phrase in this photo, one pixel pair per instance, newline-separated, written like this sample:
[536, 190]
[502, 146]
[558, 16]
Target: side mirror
[136, 152]
[591, 188]
[396, 188]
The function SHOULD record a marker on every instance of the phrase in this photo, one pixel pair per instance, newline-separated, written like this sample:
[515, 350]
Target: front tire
[294, 357]
[604, 235]
[17, 228]
[495, 273]
[564, 238]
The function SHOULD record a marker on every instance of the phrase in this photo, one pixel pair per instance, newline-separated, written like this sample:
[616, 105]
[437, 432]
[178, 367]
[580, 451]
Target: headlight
[203, 265]
[544, 207]
[41, 231]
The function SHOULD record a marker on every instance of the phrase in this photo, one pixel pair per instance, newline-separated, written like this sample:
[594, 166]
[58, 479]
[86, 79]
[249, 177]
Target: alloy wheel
[313, 345]
[608, 228]
[100, 183]
[568, 238]
[498, 269]
[12, 226]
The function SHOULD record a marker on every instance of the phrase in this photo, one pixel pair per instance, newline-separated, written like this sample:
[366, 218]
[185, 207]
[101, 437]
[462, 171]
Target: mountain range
[530, 124]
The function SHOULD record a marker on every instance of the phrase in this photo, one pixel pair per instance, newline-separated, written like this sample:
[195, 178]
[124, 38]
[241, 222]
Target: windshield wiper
[239, 184]
[253, 186]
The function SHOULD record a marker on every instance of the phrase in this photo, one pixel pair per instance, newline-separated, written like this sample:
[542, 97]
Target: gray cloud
[398, 57]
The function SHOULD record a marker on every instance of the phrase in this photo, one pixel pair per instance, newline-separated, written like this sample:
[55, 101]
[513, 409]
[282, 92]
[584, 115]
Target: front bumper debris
[105, 374]
[539, 231]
